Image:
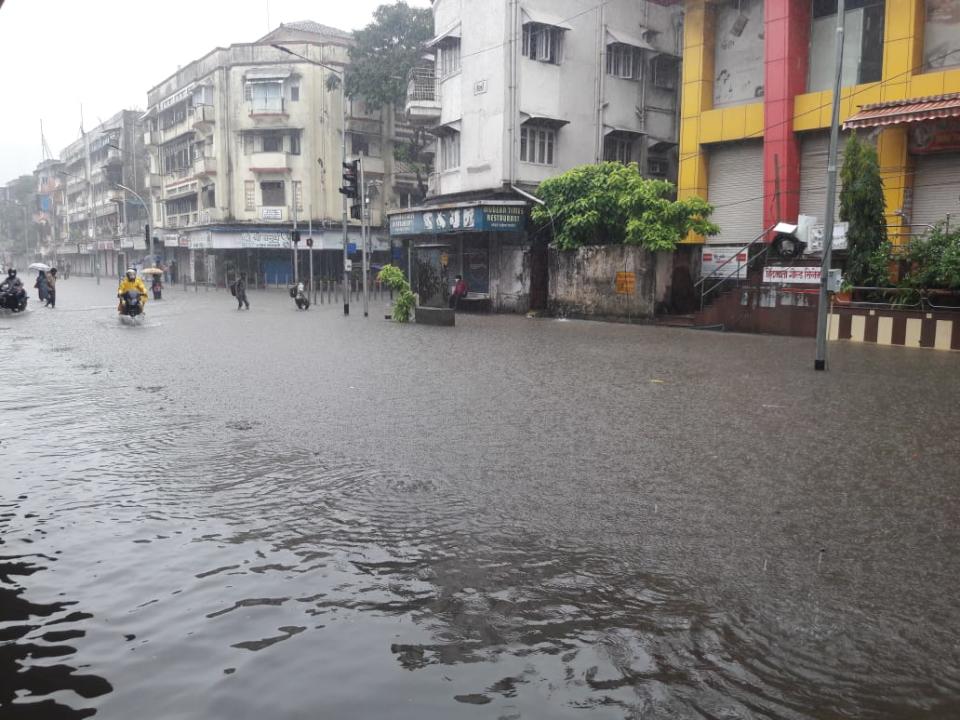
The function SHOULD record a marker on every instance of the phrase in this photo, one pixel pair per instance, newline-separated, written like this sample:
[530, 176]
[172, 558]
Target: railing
[422, 85]
[736, 268]
[266, 106]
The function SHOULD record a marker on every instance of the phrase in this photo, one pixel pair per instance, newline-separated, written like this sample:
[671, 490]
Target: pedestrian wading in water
[239, 290]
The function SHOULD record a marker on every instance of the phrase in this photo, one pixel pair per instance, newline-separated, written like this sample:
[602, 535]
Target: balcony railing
[202, 115]
[422, 85]
[269, 161]
[204, 165]
[267, 106]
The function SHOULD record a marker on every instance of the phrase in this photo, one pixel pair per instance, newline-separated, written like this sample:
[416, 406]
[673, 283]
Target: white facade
[248, 140]
[529, 88]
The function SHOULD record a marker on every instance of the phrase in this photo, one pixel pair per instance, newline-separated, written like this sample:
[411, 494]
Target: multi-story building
[100, 223]
[245, 147]
[516, 93]
[757, 96]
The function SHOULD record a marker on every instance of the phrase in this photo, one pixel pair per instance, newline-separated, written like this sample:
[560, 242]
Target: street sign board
[499, 217]
[351, 248]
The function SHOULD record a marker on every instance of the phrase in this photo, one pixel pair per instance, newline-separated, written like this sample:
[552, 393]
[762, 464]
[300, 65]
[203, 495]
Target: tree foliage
[612, 204]
[934, 260]
[863, 206]
[385, 51]
[392, 277]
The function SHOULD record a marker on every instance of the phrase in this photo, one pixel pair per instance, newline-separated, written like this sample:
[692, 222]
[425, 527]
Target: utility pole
[821, 361]
[313, 292]
[295, 244]
[343, 136]
[364, 232]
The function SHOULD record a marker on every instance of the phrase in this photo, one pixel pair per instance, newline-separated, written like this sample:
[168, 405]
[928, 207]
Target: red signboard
[935, 136]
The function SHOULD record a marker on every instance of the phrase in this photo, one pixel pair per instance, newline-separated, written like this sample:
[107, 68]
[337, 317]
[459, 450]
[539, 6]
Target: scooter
[131, 306]
[300, 297]
[13, 298]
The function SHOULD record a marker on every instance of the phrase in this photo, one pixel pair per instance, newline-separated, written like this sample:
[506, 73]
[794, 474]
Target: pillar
[786, 55]
[696, 97]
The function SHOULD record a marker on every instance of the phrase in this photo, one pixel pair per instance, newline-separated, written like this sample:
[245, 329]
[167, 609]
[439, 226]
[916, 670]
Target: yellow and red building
[756, 107]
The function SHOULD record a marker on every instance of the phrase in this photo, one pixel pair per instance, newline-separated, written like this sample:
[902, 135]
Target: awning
[447, 128]
[542, 18]
[901, 112]
[451, 32]
[660, 145]
[618, 36]
[535, 119]
[613, 129]
[276, 72]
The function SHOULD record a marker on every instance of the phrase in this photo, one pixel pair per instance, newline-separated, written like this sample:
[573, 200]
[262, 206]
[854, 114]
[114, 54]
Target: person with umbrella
[156, 284]
[41, 286]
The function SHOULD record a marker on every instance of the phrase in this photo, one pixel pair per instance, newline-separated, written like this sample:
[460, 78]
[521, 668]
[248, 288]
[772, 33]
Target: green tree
[612, 204]
[392, 277]
[385, 51]
[381, 59]
[863, 206]
[934, 260]
[20, 194]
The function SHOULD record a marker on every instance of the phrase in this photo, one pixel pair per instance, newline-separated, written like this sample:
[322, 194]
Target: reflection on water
[174, 546]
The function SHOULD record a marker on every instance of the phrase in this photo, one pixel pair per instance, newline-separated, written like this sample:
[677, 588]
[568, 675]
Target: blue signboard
[444, 221]
[351, 248]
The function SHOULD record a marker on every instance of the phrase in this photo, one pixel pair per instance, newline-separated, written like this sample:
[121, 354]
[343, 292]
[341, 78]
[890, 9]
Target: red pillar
[786, 50]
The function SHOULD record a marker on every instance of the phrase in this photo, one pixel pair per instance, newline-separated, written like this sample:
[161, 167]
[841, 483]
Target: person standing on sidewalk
[52, 288]
[241, 290]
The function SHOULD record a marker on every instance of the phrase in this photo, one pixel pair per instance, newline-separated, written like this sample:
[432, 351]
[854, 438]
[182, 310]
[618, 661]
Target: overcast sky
[105, 54]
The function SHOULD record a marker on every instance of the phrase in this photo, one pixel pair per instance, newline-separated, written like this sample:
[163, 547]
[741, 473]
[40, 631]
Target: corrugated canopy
[615, 129]
[542, 18]
[901, 112]
[545, 120]
[274, 72]
[618, 36]
[451, 32]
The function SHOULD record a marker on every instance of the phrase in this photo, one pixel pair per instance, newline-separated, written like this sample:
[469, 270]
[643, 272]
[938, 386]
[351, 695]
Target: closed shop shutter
[936, 189]
[735, 191]
[814, 150]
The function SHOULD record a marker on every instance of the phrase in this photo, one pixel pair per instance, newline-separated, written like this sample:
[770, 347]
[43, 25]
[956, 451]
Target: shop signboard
[723, 261]
[626, 283]
[935, 136]
[442, 221]
[804, 275]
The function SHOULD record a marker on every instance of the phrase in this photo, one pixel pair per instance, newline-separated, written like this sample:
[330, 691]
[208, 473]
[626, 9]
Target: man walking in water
[241, 290]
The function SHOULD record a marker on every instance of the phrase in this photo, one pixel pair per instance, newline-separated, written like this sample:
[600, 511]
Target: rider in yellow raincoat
[128, 282]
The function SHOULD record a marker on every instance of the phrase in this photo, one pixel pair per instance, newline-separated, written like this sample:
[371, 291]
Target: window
[177, 156]
[209, 196]
[294, 143]
[369, 145]
[941, 34]
[657, 167]
[273, 194]
[182, 206]
[272, 142]
[247, 144]
[542, 42]
[264, 97]
[448, 57]
[618, 149]
[450, 151]
[665, 72]
[862, 43]
[537, 144]
[294, 93]
[249, 195]
[298, 195]
[624, 61]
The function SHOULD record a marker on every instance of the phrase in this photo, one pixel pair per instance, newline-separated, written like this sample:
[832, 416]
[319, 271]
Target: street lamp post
[343, 142]
[146, 210]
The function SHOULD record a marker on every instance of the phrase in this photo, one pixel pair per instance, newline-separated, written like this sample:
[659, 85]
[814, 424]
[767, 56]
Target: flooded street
[275, 514]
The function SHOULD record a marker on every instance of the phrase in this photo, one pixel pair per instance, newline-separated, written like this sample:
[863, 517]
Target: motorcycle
[13, 297]
[300, 297]
[131, 305]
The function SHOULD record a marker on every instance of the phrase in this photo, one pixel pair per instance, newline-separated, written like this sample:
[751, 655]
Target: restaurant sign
[442, 221]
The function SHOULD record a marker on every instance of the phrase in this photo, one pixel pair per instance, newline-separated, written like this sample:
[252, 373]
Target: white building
[518, 91]
[245, 147]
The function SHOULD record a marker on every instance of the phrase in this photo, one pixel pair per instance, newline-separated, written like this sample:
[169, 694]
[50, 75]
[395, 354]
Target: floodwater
[277, 514]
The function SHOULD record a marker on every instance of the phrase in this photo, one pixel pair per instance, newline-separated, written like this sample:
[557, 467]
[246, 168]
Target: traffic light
[296, 237]
[309, 242]
[356, 212]
[351, 179]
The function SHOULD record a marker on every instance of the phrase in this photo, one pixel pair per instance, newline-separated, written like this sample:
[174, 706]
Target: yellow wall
[902, 79]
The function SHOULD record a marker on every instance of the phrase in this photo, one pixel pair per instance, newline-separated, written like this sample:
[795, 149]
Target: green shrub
[404, 303]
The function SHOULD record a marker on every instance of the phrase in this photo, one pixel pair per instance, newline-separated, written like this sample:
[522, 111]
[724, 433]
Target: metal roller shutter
[936, 189]
[735, 190]
[814, 149]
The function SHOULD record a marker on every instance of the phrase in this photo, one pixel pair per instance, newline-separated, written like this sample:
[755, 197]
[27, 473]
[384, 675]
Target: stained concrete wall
[583, 282]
